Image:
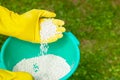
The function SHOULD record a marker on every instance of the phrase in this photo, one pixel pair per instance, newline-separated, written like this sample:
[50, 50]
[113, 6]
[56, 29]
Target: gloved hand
[26, 26]
[8, 75]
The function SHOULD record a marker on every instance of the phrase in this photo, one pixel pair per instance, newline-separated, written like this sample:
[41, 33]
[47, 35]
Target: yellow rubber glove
[26, 26]
[8, 75]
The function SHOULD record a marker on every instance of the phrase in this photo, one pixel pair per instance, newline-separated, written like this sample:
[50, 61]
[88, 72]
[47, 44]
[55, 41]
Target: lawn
[96, 24]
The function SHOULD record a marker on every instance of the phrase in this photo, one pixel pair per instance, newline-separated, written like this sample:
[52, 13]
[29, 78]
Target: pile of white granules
[47, 66]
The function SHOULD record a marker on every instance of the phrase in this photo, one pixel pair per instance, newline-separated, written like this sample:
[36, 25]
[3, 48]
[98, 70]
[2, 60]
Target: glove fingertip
[61, 29]
[60, 35]
[58, 22]
[47, 13]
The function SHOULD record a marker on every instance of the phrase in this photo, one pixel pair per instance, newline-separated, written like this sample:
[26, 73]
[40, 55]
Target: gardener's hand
[25, 26]
[8, 75]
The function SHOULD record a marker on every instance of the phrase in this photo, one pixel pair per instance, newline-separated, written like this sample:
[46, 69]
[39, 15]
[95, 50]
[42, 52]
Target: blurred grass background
[96, 24]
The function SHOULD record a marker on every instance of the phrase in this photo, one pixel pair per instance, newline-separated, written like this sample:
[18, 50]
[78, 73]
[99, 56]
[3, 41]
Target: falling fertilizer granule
[47, 67]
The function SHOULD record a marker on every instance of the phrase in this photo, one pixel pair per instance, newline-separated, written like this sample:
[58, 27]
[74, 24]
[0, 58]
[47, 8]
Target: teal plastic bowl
[14, 50]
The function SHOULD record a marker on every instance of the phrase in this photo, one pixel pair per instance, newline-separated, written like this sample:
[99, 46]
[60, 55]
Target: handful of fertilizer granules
[50, 32]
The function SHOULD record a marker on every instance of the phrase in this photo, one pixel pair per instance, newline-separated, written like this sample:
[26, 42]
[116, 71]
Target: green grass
[96, 24]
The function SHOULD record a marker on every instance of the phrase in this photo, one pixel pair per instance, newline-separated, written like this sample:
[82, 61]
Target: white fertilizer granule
[46, 67]
[48, 30]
